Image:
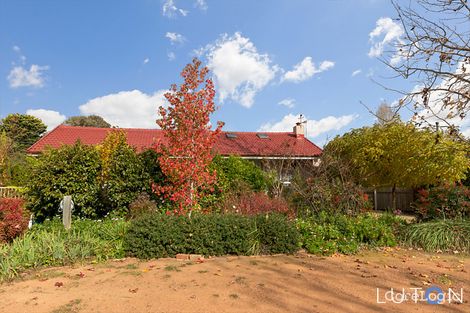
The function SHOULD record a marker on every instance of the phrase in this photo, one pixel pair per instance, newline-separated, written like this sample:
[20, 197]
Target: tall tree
[385, 114]
[23, 129]
[401, 155]
[88, 121]
[186, 152]
[435, 53]
[6, 150]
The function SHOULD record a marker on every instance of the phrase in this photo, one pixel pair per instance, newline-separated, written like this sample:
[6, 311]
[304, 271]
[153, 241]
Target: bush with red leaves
[253, 203]
[14, 219]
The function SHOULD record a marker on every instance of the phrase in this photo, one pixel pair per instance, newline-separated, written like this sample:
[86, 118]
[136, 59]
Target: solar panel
[231, 136]
[262, 136]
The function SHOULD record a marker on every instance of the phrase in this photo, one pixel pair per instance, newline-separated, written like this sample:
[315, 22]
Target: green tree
[89, 121]
[23, 129]
[401, 155]
[69, 170]
[122, 175]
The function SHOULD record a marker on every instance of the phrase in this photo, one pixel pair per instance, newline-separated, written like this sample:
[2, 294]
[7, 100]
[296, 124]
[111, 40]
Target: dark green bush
[327, 234]
[69, 170]
[101, 181]
[445, 235]
[157, 235]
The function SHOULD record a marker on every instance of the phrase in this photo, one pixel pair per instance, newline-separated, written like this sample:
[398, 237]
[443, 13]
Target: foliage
[88, 121]
[23, 129]
[68, 170]
[157, 235]
[122, 175]
[401, 155]
[327, 187]
[254, 203]
[49, 244]
[149, 160]
[102, 180]
[142, 205]
[327, 234]
[14, 219]
[443, 201]
[444, 235]
[6, 151]
[233, 172]
[186, 152]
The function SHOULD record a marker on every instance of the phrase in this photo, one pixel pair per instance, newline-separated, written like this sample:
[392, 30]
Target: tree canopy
[89, 121]
[402, 155]
[23, 129]
[186, 153]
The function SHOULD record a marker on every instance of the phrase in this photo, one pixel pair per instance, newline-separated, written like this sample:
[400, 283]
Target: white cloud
[386, 33]
[171, 56]
[16, 49]
[240, 72]
[127, 108]
[306, 69]
[288, 102]
[436, 111]
[175, 38]
[314, 127]
[49, 117]
[22, 77]
[146, 60]
[201, 4]
[356, 72]
[170, 10]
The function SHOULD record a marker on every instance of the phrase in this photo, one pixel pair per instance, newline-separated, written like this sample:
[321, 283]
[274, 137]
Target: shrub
[142, 205]
[444, 201]
[327, 234]
[444, 235]
[157, 235]
[69, 170]
[49, 244]
[122, 175]
[14, 219]
[235, 171]
[101, 181]
[253, 203]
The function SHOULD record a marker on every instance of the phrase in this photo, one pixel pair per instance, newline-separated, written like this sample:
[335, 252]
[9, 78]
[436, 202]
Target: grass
[71, 307]
[172, 268]
[444, 235]
[49, 244]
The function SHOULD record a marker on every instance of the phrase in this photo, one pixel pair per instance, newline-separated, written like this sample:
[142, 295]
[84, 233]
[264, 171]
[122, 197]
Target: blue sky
[271, 60]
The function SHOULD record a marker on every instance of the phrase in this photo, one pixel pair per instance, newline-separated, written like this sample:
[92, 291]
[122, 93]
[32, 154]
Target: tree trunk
[394, 197]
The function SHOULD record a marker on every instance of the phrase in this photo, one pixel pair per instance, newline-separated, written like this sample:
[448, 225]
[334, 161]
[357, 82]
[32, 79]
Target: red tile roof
[245, 143]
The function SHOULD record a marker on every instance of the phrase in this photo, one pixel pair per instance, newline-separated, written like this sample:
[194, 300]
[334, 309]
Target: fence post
[67, 212]
[375, 199]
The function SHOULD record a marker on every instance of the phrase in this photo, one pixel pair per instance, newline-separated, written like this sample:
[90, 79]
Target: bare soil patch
[299, 283]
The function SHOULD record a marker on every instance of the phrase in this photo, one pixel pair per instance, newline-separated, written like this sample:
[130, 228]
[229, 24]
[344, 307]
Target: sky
[271, 60]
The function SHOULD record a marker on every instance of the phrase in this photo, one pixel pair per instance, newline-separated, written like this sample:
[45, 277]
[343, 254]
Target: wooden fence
[382, 199]
[11, 192]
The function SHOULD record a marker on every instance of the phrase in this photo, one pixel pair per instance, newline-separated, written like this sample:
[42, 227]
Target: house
[249, 145]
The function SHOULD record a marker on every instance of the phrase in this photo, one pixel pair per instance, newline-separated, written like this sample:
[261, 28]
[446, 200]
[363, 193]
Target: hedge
[157, 235]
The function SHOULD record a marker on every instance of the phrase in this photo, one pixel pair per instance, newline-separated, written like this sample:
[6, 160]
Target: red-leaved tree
[186, 151]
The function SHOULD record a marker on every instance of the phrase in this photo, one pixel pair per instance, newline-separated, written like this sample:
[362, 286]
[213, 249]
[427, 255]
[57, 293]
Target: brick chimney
[299, 130]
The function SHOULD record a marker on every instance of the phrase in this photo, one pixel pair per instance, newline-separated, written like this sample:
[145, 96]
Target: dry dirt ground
[299, 283]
